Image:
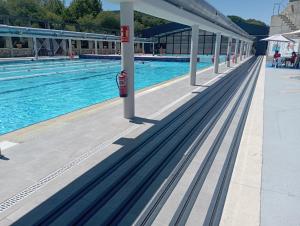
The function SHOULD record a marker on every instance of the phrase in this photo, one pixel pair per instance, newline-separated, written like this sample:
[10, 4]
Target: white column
[236, 51]
[228, 56]
[153, 48]
[241, 50]
[126, 16]
[9, 44]
[249, 49]
[64, 46]
[70, 47]
[79, 46]
[96, 47]
[115, 50]
[194, 54]
[143, 48]
[217, 53]
[35, 49]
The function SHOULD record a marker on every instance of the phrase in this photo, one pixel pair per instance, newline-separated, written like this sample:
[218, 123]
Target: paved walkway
[48, 149]
[280, 204]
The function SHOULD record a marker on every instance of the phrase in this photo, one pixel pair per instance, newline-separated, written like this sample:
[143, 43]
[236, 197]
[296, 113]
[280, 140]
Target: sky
[255, 9]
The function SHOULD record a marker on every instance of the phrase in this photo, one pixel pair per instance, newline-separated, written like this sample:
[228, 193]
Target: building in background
[285, 19]
[174, 38]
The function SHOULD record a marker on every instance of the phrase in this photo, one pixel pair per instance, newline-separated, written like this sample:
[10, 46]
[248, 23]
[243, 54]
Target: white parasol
[277, 38]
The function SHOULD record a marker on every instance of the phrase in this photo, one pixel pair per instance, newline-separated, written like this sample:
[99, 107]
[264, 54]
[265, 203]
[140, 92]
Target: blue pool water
[31, 92]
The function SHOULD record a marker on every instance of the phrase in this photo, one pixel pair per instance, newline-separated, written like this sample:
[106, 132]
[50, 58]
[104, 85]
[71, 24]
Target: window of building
[163, 39]
[19, 42]
[105, 45]
[74, 44]
[84, 44]
[2, 42]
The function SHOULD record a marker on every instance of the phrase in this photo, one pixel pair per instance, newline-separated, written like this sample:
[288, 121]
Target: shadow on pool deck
[2, 157]
[160, 165]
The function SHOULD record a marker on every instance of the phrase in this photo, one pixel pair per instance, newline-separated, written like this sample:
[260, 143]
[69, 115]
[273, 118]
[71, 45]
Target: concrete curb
[242, 206]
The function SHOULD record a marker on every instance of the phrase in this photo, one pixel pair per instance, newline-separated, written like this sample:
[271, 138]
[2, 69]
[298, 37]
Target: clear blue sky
[257, 9]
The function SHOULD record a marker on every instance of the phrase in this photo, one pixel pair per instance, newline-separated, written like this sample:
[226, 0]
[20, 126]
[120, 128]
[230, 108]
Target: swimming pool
[31, 92]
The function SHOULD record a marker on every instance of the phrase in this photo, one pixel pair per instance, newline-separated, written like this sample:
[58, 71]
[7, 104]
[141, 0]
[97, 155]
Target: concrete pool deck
[281, 149]
[46, 150]
[264, 189]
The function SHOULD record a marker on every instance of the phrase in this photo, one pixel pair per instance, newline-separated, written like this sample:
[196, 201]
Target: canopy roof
[191, 12]
[28, 32]
[203, 9]
[293, 33]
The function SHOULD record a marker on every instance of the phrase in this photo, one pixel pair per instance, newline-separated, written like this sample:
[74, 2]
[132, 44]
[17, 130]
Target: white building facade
[285, 21]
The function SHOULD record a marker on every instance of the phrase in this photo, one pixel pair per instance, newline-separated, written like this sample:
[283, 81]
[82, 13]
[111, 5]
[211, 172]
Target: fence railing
[51, 24]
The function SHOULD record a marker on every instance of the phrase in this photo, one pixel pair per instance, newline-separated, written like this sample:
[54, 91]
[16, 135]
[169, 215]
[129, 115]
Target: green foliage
[54, 6]
[83, 15]
[26, 8]
[238, 19]
[256, 22]
[144, 21]
[3, 7]
[81, 8]
[108, 20]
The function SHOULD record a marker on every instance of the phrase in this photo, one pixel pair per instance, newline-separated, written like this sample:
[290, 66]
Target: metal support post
[217, 53]
[194, 54]
[241, 50]
[96, 47]
[35, 49]
[153, 52]
[228, 56]
[236, 51]
[70, 47]
[10, 46]
[126, 16]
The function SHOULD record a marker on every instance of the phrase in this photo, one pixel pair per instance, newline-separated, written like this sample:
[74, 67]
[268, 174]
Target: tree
[26, 8]
[108, 20]
[4, 8]
[81, 8]
[54, 6]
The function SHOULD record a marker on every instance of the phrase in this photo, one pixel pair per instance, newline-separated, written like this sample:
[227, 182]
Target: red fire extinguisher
[233, 59]
[121, 80]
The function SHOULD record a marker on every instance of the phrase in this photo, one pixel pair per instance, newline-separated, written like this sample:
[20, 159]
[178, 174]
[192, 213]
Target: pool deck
[265, 186]
[81, 139]
[281, 149]
[264, 189]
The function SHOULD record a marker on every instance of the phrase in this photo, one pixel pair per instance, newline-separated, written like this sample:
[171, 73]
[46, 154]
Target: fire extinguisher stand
[127, 50]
